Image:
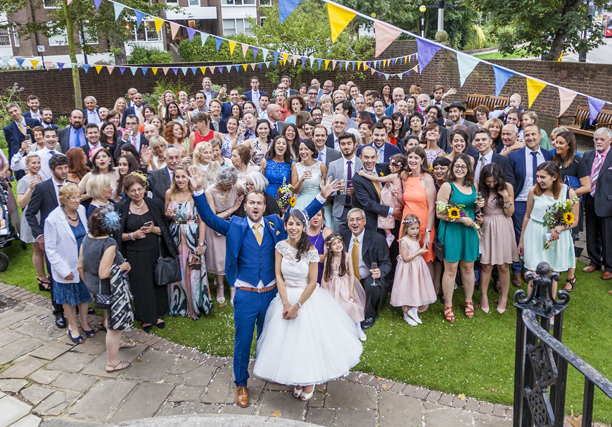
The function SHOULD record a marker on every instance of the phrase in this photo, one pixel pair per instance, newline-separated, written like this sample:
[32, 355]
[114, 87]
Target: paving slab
[42, 327]
[103, 398]
[186, 408]
[342, 418]
[281, 402]
[12, 386]
[445, 417]
[74, 382]
[23, 367]
[18, 348]
[18, 313]
[98, 366]
[61, 422]
[237, 410]
[93, 346]
[221, 388]
[12, 410]
[71, 362]
[395, 410]
[183, 393]
[348, 395]
[183, 366]
[36, 394]
[56, 402]
[151, 366]
[491, 421]
[44, 376]
[28, 421]
[219, 420]
[51, 351]
[143, 402]
[7, 336]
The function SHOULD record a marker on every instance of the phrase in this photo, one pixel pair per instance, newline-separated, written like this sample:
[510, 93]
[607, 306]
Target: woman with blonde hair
[120, 105]
[202, 157]
[158, 146]
[166, 98]
[327, 107]
[494, 126]
[100, 190]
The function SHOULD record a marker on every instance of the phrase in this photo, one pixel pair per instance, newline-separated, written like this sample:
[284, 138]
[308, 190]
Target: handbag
[167, 270]
[439, 246]
[101, 301]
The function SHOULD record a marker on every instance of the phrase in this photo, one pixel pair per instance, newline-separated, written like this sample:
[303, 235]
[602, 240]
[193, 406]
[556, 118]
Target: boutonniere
[380, 173]
[277, 233]
[27, 127]
[271, 224]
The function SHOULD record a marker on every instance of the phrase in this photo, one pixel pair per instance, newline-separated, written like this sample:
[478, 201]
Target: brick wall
[55, 87]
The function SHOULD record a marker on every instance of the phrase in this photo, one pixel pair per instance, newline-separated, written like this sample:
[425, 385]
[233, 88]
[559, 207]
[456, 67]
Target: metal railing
[540, 376]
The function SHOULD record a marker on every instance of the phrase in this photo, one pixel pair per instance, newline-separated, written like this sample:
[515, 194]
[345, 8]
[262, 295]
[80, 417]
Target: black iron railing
[540, 376]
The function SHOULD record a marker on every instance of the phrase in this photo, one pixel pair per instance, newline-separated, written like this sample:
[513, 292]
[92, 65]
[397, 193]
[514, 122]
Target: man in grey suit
[274, 117]
[326, 154]
[160, 179]
[344, 169]
[455, 112]
[208, 91]
[438, 95]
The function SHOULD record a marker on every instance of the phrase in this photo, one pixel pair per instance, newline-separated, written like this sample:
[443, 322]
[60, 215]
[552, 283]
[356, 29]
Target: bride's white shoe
[297, 393]
[307, 396]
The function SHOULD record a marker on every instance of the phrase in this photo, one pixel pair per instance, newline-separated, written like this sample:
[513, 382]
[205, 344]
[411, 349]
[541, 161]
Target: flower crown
[332, 240]
[411, 221]
[141, 175]
[396, 163]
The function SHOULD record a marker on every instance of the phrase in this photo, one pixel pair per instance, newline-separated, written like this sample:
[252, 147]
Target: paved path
[44, 376]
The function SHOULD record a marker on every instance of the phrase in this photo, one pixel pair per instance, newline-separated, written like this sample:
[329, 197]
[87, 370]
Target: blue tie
[52, 152]
[534, 162]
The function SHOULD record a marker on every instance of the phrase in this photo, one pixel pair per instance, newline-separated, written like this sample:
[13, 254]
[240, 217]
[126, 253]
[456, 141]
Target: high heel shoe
[307, 396]
[297, 392]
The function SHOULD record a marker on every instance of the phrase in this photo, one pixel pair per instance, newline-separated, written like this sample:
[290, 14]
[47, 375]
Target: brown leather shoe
[606, 276]
[242, 396]
[589, 269]
[517, 280]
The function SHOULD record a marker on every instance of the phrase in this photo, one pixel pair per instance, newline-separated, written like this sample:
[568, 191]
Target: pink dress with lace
[340, 288]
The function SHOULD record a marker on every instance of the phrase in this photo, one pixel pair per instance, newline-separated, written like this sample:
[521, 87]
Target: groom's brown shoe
[242, 396]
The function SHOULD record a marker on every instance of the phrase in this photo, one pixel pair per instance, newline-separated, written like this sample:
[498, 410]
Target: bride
[307, 337]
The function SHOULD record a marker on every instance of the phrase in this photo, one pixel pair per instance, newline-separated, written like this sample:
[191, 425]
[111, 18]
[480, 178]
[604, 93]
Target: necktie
[349, 180]
[52, 152]
[380, 155]
[258, 235]
[22, 128]
[534, 164]
[598, 165]
[355, 258]
[376, 184]
[216, 126]
[139, 114]
[320, 158]
[274, 128]
[481, 164]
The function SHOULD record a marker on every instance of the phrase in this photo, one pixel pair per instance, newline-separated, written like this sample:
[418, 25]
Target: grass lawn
[473, 357]
[518, 53]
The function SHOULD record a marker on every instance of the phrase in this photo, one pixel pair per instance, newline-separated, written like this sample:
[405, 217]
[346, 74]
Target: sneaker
[413, 313]
[409, 320]
[390, 237]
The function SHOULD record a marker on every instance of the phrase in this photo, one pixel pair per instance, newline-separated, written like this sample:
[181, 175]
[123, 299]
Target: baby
[515, 102]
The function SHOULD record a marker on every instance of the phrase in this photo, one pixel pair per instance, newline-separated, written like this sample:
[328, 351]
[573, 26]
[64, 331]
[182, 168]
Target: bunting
[232, 46]
[426, 51]
[190, 33]
[118, 7]
[385, 35]
[285, 8]
[595, 106]
[34, 63]
[339, 18]
[97, 3]
[534, 87]
[466, 64]
[139, 17]
[174, 29]
[158, 24]
[566, 97]
[245, 48]
[501, 77]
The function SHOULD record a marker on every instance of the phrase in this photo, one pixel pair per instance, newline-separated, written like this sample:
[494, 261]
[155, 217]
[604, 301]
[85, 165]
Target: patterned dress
[193, 291]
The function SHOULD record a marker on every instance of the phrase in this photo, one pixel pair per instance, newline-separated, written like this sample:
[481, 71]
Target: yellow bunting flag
[232, 47]
[365, 67]
[534, 87]
[154, 69]
[339, 18]
[34, 63]
[384, 63]
[358, 66]
[245, 66]
[98, 68]
[203, 69]
[326, 63]
[285, 56]
[158, 24]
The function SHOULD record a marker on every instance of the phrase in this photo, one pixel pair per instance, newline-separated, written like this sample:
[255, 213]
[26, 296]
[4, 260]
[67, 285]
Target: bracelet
[299, 305]
[131, 236]
[508, 206]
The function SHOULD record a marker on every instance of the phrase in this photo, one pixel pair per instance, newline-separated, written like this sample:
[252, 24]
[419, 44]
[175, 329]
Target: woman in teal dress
[460, 236]
[548, 190]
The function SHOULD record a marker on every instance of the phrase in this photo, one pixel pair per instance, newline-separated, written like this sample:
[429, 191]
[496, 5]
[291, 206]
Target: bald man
[397, 95]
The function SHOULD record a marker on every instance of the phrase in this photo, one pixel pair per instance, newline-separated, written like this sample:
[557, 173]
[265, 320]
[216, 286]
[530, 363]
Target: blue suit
[246, 260]
[249, 94]
[14, 138]
[226, 110]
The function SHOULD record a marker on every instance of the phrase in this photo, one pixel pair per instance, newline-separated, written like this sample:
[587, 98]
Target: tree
[548, 27]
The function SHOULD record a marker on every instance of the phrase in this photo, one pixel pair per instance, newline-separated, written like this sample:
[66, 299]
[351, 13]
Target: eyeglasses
[460, 167]
[136, 191]
[312, 93]
[355, 219]
[339, 123]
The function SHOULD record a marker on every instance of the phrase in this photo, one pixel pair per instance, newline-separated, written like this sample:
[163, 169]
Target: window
[84, 32]
[237, 2]
[261, 20]
[231, 27]
[172, 1]
[265, 2]
[194, 2]
[146, 32]
[51, 4]
[59, 39]
[5, 38]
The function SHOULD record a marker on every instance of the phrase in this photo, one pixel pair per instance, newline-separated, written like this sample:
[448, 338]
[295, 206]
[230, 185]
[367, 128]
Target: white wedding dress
[320, 344]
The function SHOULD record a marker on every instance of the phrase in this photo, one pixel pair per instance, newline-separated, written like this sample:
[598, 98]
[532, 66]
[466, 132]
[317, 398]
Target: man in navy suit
[34, 112]
[73, 135]
[286, 80]
[136, 110]
[524, 164]
[383, 149]
[254, 94]
[598, 204]
[216, 122]
[312, 96]
[483, 143]
[92, 132]
[46, 119]
[249, 266]
[15, 132]
[226, 107]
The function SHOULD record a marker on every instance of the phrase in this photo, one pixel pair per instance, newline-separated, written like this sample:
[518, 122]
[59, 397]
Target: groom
[249, 265]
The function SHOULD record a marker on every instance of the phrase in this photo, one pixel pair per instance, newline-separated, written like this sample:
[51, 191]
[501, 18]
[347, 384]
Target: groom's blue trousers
[249, 310]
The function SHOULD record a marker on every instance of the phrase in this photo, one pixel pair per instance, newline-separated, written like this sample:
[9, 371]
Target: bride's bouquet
[559, 213]
[454, 212]
[284, 196]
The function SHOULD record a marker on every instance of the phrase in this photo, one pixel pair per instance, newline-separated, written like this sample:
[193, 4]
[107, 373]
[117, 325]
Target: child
[392, 193]
[515, 102]
[412, 286]
[339, 279]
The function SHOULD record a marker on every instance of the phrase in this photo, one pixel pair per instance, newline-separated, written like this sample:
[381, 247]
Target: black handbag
[167, 270]
[439, 246]
[101, 301]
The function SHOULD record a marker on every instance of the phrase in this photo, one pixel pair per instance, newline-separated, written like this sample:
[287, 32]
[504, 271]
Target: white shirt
[481, 163]
[18, 162]
[353, 160]
[56, 185]
[522, 197]
[35, 116]
[263, 115]
[255, 98]
[93, 117]
[364, 271]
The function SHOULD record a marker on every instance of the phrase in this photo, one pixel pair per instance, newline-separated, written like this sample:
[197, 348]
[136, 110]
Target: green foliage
[143, 56]
[477, 39]
[62, 122]
[10, 94]
[163, 85]
[194, 51]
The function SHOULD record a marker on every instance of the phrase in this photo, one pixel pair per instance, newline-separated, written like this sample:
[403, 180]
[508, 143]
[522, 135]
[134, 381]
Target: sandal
[127, 344]
[448, 314]
[90, 333]
[571, 282]
[43, 286]
[77, 340]
[118, 367]
[469, 310]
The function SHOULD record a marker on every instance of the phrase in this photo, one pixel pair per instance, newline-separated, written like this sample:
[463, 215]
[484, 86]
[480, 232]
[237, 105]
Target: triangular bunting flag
[86, 67]
[218, 42]
[255, 50]
[237, 67]
[264, 53]
[204, 37]
[68, 2]
[312, 60]
[358, 66]
[220, 69]
[60, 65]
[118, 9]
[295, 58]
[303, 61]
[566, 97]
[34, 63]
[47, 64]
[190, 33]
[245, 48]
[245, 66]
[194, 70]
[285, 7]
[133, 70]
[340, 64]
[158, 24]
[426, 51]
[379, 74]
[203, 70]
[595, 106]
[275, 57]
[212, 70]
[154, 69]
[97, 3]
[334, 62]
[365, 67]
[285, 56]
[174, 28]
[339, 18]
[184, 70]
[253, 66]
[385, 63]
[372, 70]
[232, 46]
[122, 70]
[501, 77]
[98, 68]
[326, 63]
[319, 61]
[165, 70]
[139, 17]
[400, 76]
[175, 70]
[144, 70]
[384, 35]
[534, 87]
[353, 64]
[466, 64]
[110, 69]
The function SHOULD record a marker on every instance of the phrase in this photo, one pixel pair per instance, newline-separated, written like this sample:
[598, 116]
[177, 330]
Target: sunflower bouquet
[284, 196]
[559, 213]
[454, 212]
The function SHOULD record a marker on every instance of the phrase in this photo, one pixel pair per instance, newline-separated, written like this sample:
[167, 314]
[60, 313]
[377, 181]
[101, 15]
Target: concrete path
[43, 376]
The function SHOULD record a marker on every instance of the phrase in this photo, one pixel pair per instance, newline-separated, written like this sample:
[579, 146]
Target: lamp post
[422, 8]
[440, 15]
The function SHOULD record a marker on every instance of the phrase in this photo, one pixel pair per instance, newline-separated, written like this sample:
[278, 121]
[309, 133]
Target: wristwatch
[427, 231]
[201, 244]
[299, 305]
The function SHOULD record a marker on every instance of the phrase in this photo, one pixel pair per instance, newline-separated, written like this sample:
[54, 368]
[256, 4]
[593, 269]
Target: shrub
[163, 85]
[142, 56]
